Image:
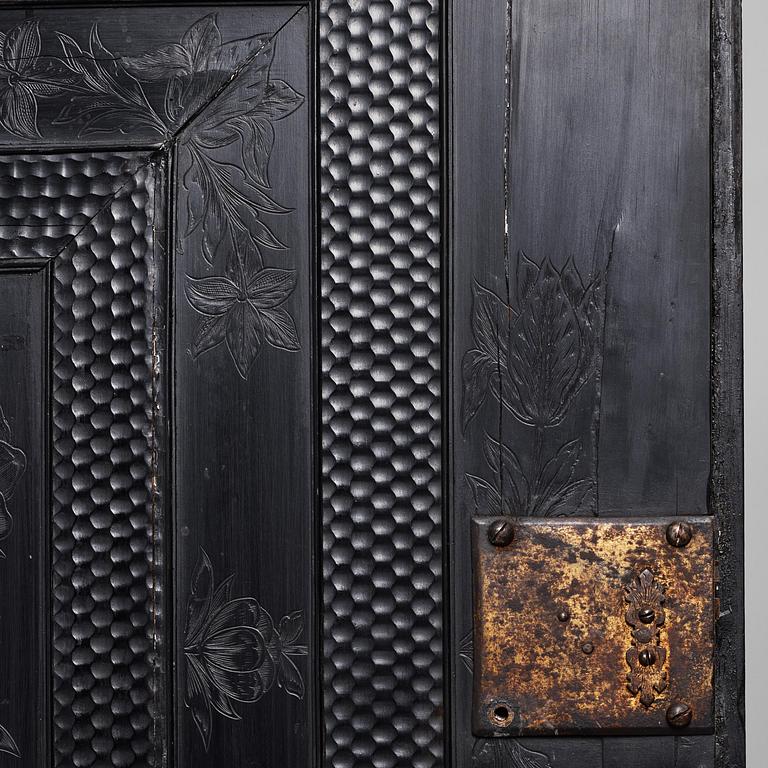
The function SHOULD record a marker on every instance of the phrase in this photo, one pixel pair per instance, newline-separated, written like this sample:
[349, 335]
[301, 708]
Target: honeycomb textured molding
[381, 398]
[104, 612]
[46, 199]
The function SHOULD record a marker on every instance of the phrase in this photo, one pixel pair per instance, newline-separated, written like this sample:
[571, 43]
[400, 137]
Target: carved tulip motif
[234, 652]
[533, 355]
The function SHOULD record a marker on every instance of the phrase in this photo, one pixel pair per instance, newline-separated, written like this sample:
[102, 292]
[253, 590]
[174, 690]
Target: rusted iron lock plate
[593, 626]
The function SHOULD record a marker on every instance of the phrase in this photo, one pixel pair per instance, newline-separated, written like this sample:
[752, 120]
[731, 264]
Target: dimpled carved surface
[103, 468]
[46, 199]
[380, 289]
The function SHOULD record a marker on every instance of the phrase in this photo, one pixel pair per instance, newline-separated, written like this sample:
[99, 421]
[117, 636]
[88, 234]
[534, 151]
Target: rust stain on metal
[540, 673]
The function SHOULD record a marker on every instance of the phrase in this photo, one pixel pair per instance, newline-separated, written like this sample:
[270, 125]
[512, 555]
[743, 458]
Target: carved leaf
[506, 753]
[244, 334]
[291, 627]
[6, 520]
[483, 365]
[486, 497]
[210, 333]
[512, 485]
[198, 698]
[289, 677]
[7, 744]
[478, 372]
[527, 273]
[490, 319]
[554, 482]
[222, 704]
[280, 330]
[254, 52]
[201, 590]
[543, 354]
[211, 295]
[21, 45]
[13, 463]
[280, 100]
[270, 287]
[257, 141]
[263, 236]
[18, 111]
[159, 64]
[201, 39]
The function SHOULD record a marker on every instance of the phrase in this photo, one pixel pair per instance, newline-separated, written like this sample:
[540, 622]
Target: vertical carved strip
[381, 418]
[105, 476]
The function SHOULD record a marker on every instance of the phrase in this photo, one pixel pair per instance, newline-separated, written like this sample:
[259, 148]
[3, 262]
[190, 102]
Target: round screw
[563, 615]
[647, 657]
[500, 714]
[501, 532]
[679, 534]
[587, 648]
[679, 715]
[646, 615]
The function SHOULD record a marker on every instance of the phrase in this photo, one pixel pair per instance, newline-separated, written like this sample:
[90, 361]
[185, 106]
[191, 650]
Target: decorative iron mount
[593, 626]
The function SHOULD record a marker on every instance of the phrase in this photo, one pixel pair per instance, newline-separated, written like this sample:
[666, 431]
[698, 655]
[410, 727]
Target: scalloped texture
[381, 412]
[103, 580]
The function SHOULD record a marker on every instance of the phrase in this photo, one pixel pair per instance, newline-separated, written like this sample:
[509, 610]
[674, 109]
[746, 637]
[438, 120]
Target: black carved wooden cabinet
[370, 384]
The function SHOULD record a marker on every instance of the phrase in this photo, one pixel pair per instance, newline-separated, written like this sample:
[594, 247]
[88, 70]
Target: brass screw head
[563, 615]
[679, 534]
[679, 715]
[647, 657]
[501, 532]
[587, 648]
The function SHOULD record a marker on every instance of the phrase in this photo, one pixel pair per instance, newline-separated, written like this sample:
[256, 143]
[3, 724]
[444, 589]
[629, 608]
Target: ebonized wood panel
[580, 338]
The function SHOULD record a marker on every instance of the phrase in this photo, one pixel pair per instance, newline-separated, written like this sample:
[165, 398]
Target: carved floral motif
[13, 464]
[228, 202]
[244, 313]
[646, 657]
[506, 753]
[533, 355]
[234, 652]
[25, 77]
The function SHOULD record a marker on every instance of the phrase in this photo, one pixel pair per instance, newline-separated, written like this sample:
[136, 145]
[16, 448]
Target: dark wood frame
[726, 490]
[726, 482]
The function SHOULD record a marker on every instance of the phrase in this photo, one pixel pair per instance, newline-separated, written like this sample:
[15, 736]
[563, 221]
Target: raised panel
[24, 512]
